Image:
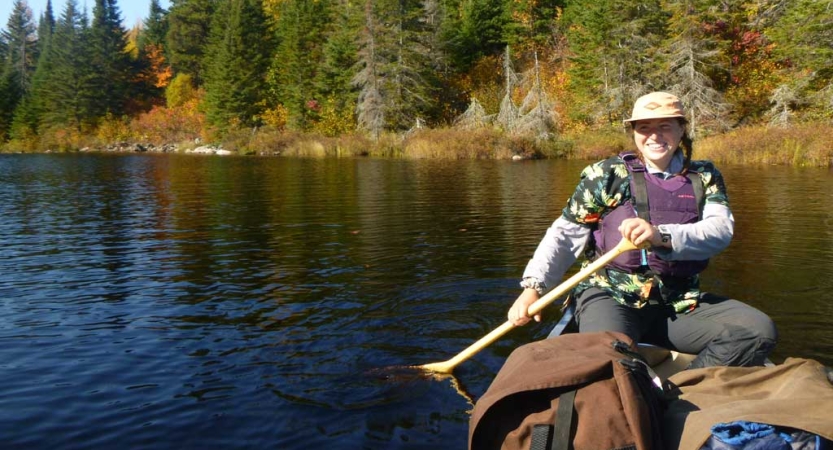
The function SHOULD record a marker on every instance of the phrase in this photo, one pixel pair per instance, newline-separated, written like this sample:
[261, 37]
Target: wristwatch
[664, 234]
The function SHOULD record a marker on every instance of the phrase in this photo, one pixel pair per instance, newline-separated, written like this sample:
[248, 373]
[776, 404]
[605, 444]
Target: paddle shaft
[448, 366]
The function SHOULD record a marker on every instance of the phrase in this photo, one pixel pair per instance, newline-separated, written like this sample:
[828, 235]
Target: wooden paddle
[448, 366]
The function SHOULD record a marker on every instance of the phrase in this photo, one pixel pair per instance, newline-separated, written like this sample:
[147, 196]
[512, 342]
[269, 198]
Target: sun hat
[657, 105]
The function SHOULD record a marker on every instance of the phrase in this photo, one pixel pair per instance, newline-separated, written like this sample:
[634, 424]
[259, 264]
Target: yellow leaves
[113, 129]
[333, 120]
[275, 117]
[180, 91]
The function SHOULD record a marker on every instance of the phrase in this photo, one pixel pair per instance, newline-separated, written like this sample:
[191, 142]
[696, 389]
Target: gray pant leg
[598, 311]
[723, 332]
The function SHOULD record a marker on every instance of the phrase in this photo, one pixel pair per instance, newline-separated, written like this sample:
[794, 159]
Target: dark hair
[688, 148]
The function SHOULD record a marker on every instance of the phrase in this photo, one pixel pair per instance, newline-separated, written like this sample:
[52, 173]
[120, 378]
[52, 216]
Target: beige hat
[657, 105]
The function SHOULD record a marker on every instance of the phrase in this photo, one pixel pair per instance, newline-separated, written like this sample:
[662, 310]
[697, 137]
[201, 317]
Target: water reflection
[181, 302]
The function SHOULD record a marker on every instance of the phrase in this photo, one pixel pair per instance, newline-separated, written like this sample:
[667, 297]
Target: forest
[529, 76]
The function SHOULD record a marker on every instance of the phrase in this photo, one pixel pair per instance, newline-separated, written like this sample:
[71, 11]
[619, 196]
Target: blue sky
[132, 11]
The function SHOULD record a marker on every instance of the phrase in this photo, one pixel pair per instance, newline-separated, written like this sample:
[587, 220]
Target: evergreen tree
[236, 64]
[804, 38]
[397, 36]
[299, 54]
[533, 23]
[189, 28]
[613, 43]
[4, 48]
[28, 114]
[333, 79]
[481, 31]
[691, 53]
[21, 44]
[155, 26]
[109, 62]
[67, 88]
[10, 95]
[444, 102]
[46, 26]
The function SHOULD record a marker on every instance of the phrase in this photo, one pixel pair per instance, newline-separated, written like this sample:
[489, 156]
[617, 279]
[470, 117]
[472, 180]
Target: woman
[660, 196]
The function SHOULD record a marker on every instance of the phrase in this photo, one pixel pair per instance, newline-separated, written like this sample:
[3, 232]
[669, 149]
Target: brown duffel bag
[797, 394]
[587, 391]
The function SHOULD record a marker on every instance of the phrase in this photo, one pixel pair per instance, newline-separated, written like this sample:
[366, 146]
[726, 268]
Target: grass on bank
[798, 145]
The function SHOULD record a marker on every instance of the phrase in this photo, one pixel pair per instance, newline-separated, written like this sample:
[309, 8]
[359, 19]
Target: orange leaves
[160, 125]
[159, 69]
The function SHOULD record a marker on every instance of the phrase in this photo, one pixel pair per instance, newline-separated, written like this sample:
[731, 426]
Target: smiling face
[657, 140]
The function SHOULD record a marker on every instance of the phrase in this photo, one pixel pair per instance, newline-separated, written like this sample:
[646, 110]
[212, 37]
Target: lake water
[163, 301]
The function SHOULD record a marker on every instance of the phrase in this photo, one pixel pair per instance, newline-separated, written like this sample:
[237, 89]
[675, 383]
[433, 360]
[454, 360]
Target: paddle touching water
[562, 289]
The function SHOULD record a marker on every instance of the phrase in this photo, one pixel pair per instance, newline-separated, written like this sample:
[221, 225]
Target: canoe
[793, 396]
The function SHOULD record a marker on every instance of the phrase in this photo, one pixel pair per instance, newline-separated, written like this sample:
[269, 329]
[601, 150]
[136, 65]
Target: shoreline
[801, 145]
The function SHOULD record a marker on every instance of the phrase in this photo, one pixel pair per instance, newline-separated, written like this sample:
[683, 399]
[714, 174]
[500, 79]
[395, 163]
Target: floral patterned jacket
[604, 186]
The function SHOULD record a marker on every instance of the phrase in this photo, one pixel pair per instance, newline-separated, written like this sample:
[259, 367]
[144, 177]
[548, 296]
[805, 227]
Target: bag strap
[564, 421]
[543, 437]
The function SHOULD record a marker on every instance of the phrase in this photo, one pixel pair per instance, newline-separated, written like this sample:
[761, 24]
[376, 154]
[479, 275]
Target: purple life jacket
[658, 201]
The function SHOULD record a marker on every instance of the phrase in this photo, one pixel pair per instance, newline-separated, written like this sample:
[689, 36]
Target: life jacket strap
[699, 192]
[638, 185]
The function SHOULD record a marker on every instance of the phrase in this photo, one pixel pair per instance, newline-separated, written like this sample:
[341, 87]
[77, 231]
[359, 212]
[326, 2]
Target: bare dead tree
[784, 99]
[536, 115]
[507, 117]
[370, 108]
[474, 117]
[705, 104]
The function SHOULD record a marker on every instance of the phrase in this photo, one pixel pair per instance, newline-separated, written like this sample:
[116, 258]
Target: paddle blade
[439, 367]
[408, 374]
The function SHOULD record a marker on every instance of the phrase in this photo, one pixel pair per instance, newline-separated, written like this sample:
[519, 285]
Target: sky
[132, 11]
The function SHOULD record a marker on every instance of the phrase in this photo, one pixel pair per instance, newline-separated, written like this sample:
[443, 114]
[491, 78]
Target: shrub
[113, 129]
[172, 124]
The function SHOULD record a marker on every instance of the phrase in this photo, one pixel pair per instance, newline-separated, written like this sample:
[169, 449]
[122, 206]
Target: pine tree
[300, 53]
[804, 35]
[237, 58]
[10, 96]
[67, 88]
[691, 53]
[4, 48]
[337, 68]
[28, 114]
[21, 43]
[482, 30]
[803, 38]
[46, 26]
[189, 28]
[18, 50]
[155, 27]
[613, 43]
[533, 23]
[395, 62]
[109, 62]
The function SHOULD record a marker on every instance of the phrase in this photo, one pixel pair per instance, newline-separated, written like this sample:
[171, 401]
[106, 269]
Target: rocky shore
[138, 147]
